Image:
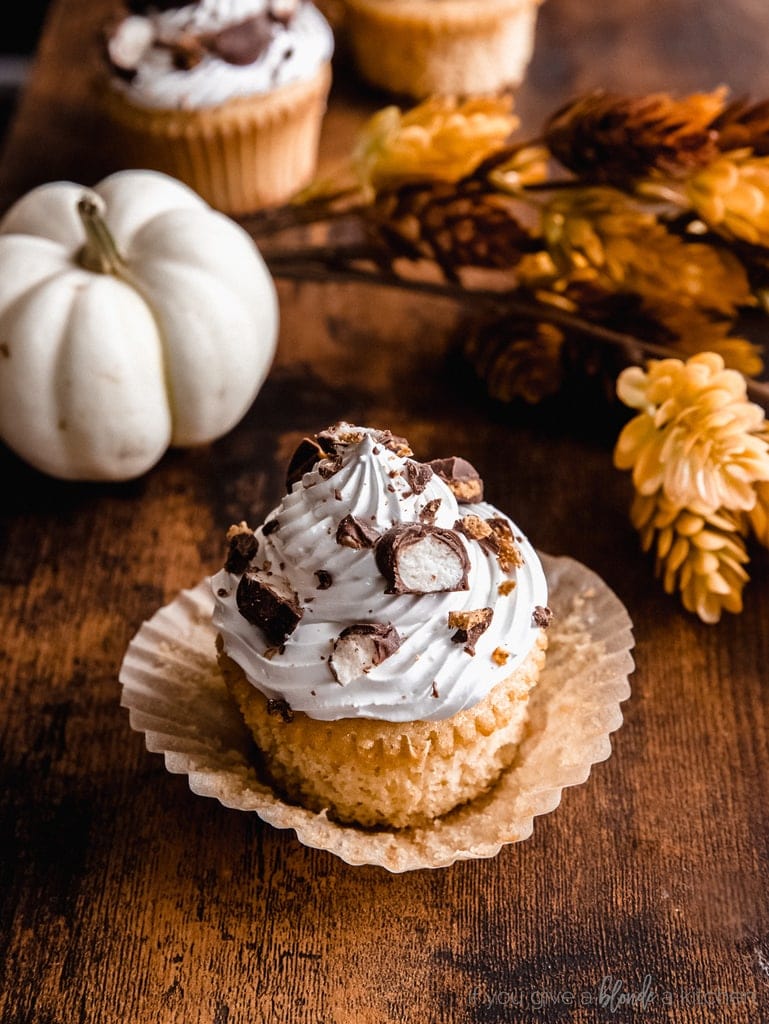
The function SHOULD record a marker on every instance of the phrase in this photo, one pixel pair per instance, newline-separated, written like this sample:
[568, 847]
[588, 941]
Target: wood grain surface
[125, 897]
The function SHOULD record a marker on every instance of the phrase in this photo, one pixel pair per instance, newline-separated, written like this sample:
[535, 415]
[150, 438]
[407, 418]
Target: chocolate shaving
[307, 454]
[461, 476]
[282, 708]
[416, 558]
[418, 475]
[269, 603]
[542, 616]
[324, 579]
[243, 547]
[270, 527]
[352, 533]
[361, 647]
[470, 626]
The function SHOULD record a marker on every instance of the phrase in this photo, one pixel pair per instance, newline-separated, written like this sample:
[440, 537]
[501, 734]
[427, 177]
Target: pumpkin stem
[99, 254]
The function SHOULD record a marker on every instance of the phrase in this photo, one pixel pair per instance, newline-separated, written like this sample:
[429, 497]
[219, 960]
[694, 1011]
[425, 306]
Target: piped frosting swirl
[370, 545]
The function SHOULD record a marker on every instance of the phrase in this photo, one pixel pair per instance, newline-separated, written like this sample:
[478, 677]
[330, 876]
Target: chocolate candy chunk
[282, 708]
[187, 51]
[242, 550]
[308, 453]
[387, 439]
[244, 42]
[542, 616]
[324, 579]
[268, 602]
[494, 535]
[419, 559]
[352, 533]
[144, 6]
[430, 511]
[469, 626]
[270, 527]
[418, 475]
[461, 476]
[359, 648]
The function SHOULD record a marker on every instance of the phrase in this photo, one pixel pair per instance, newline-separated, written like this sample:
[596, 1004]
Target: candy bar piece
[352, 533]
[418, 475]
[243, 546]
[461, 476]
[359, 648]
[429, 511]
[542, 616]
[309, 452]
[419, 559]
[393, 443]
[470, 626]
[267, 601]
[282, 708]
[495, 535]
[244, 42]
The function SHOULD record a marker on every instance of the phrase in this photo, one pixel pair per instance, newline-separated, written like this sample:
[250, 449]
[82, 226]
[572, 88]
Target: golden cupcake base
[176, 696]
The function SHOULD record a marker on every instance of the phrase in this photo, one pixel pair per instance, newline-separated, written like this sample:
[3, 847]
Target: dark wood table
[127, 898]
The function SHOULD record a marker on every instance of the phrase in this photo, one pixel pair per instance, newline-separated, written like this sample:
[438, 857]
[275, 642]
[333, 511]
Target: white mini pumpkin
[132, 317]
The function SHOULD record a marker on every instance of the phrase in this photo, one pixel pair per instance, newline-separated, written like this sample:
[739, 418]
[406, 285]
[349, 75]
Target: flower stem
[329, 263]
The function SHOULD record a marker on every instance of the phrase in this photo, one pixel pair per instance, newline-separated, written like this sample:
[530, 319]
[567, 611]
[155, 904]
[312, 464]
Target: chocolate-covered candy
[243, 547]
[360, 647]
[244, 42]
[494, 535]
[267, 601]
[309, 452]
[393, 443]
[542, 616]
[353, 533]
[469, 626]
[416, 558]
[461, 476]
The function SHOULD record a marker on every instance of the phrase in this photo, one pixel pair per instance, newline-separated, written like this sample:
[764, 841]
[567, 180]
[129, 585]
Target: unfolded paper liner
[175, 695]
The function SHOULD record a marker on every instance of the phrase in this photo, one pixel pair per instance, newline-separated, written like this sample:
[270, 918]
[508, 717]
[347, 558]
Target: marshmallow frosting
[162, 56]
[432, 672]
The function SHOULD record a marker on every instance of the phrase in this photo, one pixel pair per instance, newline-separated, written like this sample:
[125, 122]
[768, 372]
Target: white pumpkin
[132, 317]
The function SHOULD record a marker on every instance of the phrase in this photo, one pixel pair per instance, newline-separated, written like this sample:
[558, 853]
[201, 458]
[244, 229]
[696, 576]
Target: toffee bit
[506, 587]
[470, 626]
[282, 708]
[500, 656]
[542, 616]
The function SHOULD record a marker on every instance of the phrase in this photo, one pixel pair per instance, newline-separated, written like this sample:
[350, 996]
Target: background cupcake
[226, 95]
[420, 48]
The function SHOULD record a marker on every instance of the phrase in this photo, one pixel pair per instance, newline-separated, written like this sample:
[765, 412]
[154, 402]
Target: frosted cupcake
[226, 95]
[381, 631]
[421, 48]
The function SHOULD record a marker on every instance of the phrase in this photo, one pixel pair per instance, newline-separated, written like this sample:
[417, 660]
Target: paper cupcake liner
[421, 48]
[239, 156]
[176, 697]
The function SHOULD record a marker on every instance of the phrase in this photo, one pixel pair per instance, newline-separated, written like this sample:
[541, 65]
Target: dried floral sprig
[699, 457]
[636, 225]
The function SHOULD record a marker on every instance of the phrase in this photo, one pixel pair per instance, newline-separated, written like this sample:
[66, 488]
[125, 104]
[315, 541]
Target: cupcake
[422, 48]
[381, 631]
[226, 95]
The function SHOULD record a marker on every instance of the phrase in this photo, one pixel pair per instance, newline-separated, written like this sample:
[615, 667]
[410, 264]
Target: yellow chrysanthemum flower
[732, 195]
[695, 436]
[702, 557]
[441, 139]
[758, 517]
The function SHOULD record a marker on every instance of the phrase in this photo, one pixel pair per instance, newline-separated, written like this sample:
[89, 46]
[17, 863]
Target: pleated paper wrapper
[175, 696]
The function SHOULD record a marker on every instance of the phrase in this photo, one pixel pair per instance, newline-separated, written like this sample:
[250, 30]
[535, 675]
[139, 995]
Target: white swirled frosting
[296, 51]
[430, 676]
